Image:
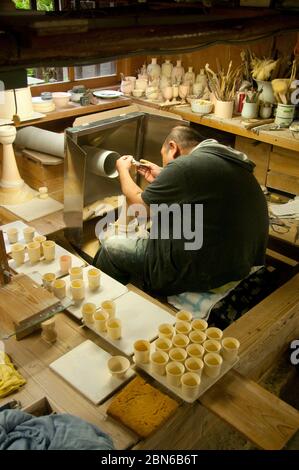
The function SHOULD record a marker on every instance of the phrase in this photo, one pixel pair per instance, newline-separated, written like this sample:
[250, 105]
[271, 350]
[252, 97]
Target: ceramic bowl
[118, 366]
[201, 106]
[61, 99]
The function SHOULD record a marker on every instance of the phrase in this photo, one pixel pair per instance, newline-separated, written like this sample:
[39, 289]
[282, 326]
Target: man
[210, 183]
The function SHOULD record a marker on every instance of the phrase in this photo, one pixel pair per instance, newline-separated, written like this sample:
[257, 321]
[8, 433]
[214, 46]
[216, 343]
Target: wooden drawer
[284, 161]
[287, 183]
[258, 152]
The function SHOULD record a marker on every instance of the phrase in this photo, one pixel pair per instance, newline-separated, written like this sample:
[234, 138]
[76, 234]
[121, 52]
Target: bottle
[177, 73]
[189, 77]
[154, 69]
[167, 69]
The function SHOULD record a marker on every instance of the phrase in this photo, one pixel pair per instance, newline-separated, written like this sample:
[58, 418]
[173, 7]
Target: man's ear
[174, 149]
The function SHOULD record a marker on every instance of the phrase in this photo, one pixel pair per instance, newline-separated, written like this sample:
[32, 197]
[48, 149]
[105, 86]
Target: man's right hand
[150, 171]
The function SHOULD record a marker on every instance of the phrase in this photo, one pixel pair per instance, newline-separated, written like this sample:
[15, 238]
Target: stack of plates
[42, 106]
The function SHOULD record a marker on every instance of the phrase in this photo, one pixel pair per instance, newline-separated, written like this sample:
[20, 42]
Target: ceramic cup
[13, 235]
[195, 350]
[142, 351]
[197, 337]
[174, 372]
[40, 239]
[114, 328]
[76, 273]
[78, 289]
[163, 344]
[230, 348]
[59, 288]
[190, 384]
[94, 277]
[33, 249]
[165, 330]
[183, 315]
[214, 333]
[118, 366]
[158, 361]
[49, 250]
[18, 253]
[65, 263]
[180, 341]
[200, 325]
[182, 327]
[109, 307]
[88, 312]
[195, 365]
[100, 320]
[48, 281]
[43, 192]
[212, 346]
[28, 234]
[178, 354]
[213, 362]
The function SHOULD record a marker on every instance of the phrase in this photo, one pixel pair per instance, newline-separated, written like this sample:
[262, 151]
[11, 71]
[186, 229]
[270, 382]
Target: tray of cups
[189, 359]
[17, 232]
[125, 320]
[41, 256]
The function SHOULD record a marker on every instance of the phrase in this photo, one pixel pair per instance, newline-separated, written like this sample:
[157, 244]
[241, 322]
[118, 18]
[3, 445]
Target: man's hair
[184, 136]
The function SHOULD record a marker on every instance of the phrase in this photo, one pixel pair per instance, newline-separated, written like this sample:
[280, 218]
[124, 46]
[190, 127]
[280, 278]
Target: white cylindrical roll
[41, 140]
[101, 162]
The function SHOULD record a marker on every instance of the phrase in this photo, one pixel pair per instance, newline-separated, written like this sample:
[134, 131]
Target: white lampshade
[24, 104]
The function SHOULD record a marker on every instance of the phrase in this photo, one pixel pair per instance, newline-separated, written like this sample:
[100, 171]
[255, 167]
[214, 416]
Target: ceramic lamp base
[16, 195]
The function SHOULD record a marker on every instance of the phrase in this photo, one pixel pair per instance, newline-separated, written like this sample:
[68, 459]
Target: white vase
[189, 77]
[177, 73]
[166, 69]
[267, 94]
[154, 69]
[202, 78]
[249, 110]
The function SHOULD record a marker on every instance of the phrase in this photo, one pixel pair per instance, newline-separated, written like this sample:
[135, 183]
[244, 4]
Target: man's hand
[124, 163]
[150, 171]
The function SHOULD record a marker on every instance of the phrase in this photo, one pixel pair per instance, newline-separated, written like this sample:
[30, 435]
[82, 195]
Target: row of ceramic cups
[39, 248]
[104, 319]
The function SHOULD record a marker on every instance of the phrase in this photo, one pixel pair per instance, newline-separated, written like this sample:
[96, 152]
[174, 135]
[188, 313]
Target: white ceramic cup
[195, 350]
[94, 278]
[65, 263]
[28, 234]
[165, 330]
[190, 384]
[43, 192]
[142, 351]
[180, 341]
[100, 320]
[48, 281]
[214, 333]
[178, 355]
[40, 239]
[49, 248]
[199, 324]
[114, 328]
[33, 249]
[59, 288]
[183, 315]
[18, 253]
[158, 361]
[197, 337]
[174, 372]
[230, 348]
[78, 289]
[213, 362]
[212, 346]
[194, 364]
[12, 235]
[118, 366]
[76, 273]
[110, 307]
[182, 327]
[88, 312]
[163, 344]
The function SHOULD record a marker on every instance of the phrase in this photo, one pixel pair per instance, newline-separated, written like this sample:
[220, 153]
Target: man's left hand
[124, 163]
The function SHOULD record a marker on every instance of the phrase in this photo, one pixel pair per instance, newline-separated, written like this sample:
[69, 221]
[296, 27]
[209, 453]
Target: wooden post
[4, 267]
[33, 4]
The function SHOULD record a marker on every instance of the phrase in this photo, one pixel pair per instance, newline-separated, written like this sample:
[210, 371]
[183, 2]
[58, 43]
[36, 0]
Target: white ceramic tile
[20, 226]
[35, 208]
[140, 319]
[109, 289]
[43, 266]
[85, 368]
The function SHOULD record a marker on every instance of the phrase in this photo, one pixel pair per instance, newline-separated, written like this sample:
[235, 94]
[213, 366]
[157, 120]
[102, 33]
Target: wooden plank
[258, 152]
[283, 182]
[260, 416]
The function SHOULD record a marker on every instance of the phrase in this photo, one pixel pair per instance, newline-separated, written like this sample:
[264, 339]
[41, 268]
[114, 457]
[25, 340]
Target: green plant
[44, 5]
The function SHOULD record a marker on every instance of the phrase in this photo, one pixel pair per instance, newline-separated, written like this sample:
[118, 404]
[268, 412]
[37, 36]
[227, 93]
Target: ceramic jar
[224, 109]
[126, 87]
[141, 84]
[267, 94]
[249, 110]
[284, 114]
[151, 93]
[177, 73]
[154, 69]
[202, 78]
[166, 69]
[189, 77]
[265, 111]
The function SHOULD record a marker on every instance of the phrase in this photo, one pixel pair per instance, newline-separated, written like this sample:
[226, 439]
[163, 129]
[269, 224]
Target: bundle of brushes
[224, 85]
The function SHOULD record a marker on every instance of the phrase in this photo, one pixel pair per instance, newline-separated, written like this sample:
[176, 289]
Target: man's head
[180, 141]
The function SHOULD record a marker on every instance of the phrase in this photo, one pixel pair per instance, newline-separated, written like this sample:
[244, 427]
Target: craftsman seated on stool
[198, 251]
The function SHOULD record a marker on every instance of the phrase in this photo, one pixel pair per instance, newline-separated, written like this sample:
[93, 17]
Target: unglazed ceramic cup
[18, 253]
[109, 307]
[163, 344]
[213, 362]
[198, 324]
[76, 273]
[183, 315]
[94, 278]
[230, 348]
[158, 361]
[12, 235]
[65, 263]
[59, 288]
[194, 365]
[118, 366]
[49, 248]
[182, 327]
[197, 337]
[28, 234]
[142, 351]
[114, 328]
[190, 384]
[88, 312]
[195, 350]
[165, 330]
[33, 249]
[48, 281]
[211, 345]
[214, 333]
[180, 341]
[78, 289]
[40, 239]
[174, 372]
[100, 320]
[178, 355]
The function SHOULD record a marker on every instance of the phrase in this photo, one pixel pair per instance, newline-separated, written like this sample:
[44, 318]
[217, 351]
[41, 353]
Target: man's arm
[129, 188]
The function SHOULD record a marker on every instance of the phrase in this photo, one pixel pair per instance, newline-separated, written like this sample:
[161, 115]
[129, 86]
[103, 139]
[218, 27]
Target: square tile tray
[85, 369]
[20, 226]
[109, 289]
[140, 319]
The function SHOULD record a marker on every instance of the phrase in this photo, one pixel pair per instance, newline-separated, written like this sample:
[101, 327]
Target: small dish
[118, 366]
[201, 106]
[107, 94]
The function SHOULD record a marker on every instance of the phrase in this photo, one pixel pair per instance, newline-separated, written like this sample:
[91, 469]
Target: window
[44, 5]
[91, 71]
[36, 76]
